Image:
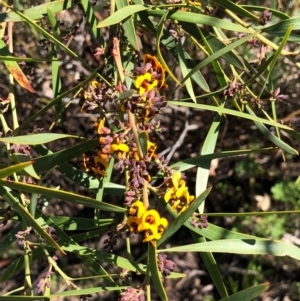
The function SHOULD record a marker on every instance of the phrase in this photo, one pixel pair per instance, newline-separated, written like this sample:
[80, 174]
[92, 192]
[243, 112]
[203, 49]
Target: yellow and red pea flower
[147, 221]
[137, 209]
[153, 75]
[177, 193]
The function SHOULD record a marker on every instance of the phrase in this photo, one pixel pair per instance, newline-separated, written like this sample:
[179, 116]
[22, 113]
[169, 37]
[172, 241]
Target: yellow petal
[139, 209]
[152, 86]
[100, 125]
[140, 79]
[163, 222]
[168, 195]
[124, 147]
[152, 234]
[142, 91]
[181, 191]
[175, 178]
[95, 84]
[143, 227]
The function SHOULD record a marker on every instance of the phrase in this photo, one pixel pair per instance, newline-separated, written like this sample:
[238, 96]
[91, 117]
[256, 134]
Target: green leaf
[91, 290]
[155, 274]
[8, 171]
[52, 38]
[282, 26]
[248, 294]
[55, 101]
[185, 71]
[16, 205]
[107, 257]
[16, 71]
[275, 58]
[197, 18]
[202, 159]
[122, 14]
[236, 8]
[79, 223]
[22, 298]
[22, 158]
[128, 25]
[63, 195]
[143, 140]
[36, 138]
[215, 44]
[282, 145]
[159, 32]
[51, 160]
[38, 11]
[220, 53]
[56, 80]
[274, 12]
[242, 246]
[222, 110]
[91, 18]
[213, 232]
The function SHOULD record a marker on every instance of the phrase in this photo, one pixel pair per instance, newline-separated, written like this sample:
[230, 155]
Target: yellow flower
[122, 147]
[95, 84]
[158, 68]
[133, 223]
[140, 79]
[137, 209]
[150, 217]
[100, 125]
[145, 83]
[169, 193]
[151, 234]
[178, 193]
[163, 224]
[176, 178]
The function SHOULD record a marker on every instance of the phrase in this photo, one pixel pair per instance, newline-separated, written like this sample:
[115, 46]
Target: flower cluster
[94, 95]
[199, 222]
[132, 294]
[165, 265]
[110, 143]
[148, 221]
[177, 193]
[130, 144]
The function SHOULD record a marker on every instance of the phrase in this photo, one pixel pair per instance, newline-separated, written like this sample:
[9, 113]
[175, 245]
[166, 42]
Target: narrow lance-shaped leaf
[155, 274]
[6, 172]
[16, 70]
[184, 70]
[36, 138]
[242, 246]
[122, 14]
[15, 204]
[63, 195]
[128, 26]
[248, 294]
[281, 144]
[38, 12]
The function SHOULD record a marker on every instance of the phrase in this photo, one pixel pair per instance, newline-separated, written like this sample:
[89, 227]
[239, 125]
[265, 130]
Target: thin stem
[11, 79]
[27, 251]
